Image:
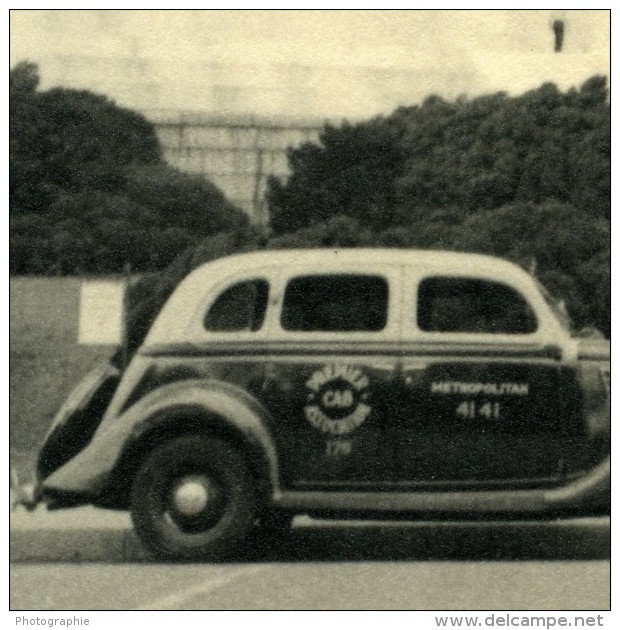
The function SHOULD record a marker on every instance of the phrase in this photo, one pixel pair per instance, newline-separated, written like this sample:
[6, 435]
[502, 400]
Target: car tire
[193, 499]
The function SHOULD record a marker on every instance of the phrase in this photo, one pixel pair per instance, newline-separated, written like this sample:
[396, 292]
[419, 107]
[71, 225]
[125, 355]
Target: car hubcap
[192, 495]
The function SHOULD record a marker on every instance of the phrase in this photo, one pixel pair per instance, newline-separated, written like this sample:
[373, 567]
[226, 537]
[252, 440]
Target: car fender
[90, 470]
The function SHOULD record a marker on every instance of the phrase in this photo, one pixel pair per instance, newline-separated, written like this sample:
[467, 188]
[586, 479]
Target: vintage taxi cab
[339, 383]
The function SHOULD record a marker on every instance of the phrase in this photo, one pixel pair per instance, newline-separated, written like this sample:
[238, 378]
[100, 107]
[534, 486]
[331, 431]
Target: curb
[75, 535]
[75, 546]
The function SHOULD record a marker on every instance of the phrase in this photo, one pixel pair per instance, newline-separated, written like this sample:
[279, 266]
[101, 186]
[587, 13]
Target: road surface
[434, 566]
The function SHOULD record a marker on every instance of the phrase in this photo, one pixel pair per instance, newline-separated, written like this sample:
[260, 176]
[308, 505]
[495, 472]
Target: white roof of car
[364, 257]
[209, 277]
[362, 260]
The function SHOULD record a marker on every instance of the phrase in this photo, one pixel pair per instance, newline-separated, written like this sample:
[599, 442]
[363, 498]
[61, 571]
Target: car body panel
[402, 418]
[90, 470]
[590, 492]
[76, 421]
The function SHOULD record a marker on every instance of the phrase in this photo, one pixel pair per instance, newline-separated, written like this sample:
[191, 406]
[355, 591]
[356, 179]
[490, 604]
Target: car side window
[470, 305]
[335, 303]
[239, 307]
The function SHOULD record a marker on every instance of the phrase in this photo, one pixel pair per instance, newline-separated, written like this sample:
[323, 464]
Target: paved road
[319, 566]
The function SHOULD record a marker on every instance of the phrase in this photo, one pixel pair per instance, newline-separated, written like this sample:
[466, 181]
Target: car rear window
[470, 305]
[240, 307]
[335, 303]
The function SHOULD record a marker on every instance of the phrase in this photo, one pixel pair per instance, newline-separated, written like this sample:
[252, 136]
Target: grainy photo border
[43, 368]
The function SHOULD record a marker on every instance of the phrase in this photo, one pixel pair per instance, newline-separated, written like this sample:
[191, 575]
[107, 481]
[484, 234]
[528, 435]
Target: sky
[316, 63]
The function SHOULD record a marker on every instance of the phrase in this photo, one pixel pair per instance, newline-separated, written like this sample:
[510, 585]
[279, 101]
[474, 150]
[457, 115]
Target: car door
[333, 370]
[485, 398]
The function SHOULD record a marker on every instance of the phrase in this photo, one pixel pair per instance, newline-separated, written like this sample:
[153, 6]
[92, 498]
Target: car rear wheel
[193, 499]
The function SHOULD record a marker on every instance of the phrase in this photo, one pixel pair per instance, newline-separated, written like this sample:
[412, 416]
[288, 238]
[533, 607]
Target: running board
[591, 490]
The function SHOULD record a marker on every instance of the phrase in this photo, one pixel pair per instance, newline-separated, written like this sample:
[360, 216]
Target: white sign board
[101, 313]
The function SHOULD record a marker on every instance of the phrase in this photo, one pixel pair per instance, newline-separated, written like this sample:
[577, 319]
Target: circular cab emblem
[336, 399]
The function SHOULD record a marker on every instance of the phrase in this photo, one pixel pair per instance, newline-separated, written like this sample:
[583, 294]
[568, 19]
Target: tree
[89, 191]
[472, 155]
[23, 79]
[66, 139]
[350, 174]
[181, 200]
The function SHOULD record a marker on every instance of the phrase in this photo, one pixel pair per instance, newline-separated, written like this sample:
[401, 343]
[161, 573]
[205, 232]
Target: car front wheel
[193, 499]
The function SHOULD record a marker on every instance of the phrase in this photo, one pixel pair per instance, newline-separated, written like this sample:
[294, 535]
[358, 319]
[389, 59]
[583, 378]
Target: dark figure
[558, 30]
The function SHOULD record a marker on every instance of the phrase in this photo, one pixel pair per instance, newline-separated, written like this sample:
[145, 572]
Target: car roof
[190, 295]
[365, 259]
[351, 255]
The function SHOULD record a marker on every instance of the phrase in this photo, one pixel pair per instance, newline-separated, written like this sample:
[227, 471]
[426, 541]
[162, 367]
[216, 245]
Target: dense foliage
[89, 192]
[461, 157]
